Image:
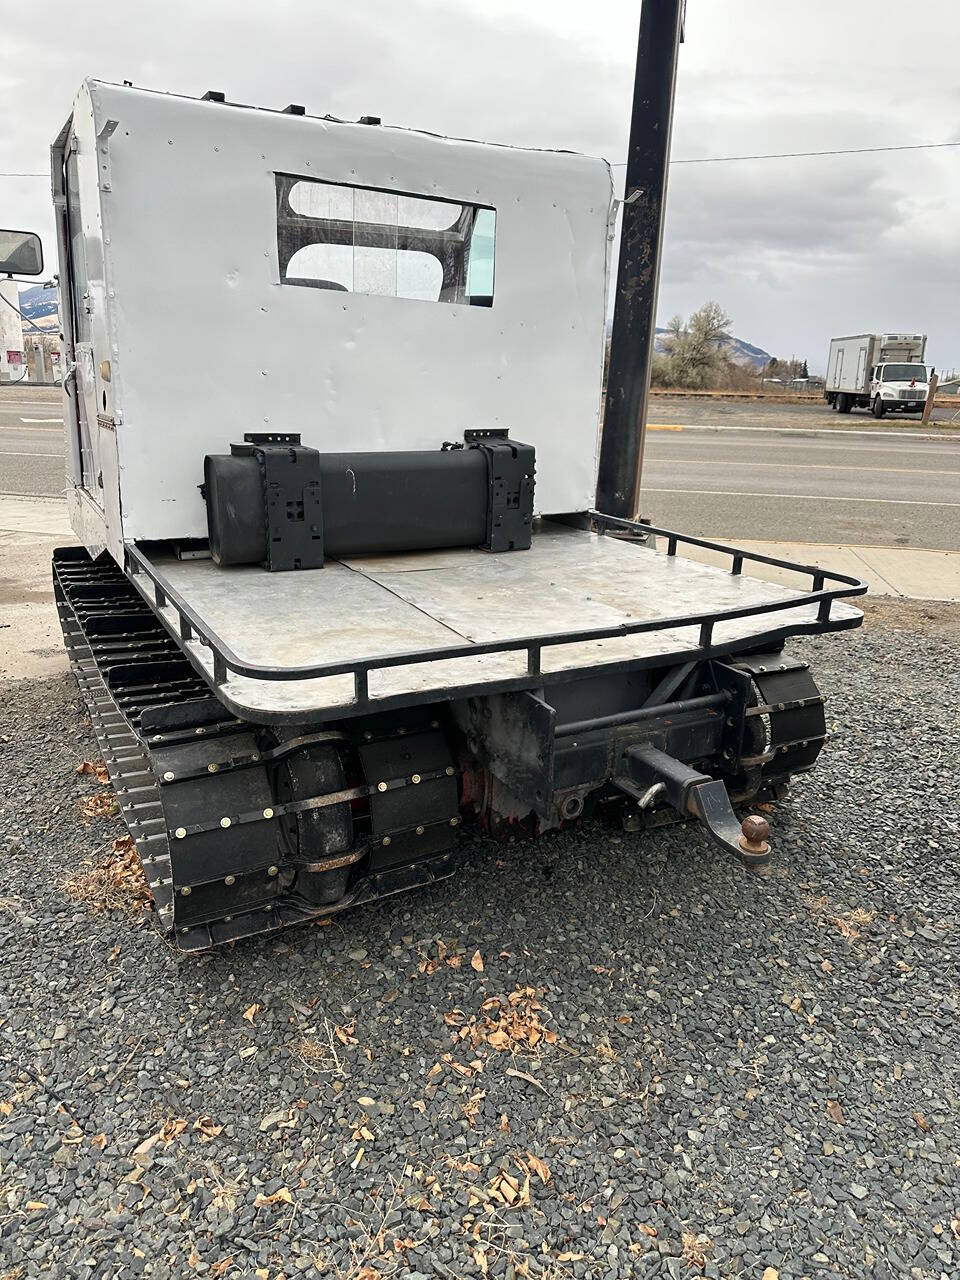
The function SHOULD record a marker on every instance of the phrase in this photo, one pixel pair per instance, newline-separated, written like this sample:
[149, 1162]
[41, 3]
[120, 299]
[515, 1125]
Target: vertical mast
[638, 274]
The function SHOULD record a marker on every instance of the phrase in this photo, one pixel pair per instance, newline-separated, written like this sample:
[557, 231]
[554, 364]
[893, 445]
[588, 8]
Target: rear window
[353, 239]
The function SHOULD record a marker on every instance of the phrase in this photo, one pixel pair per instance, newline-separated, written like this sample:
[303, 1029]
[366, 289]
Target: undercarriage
[245, 826]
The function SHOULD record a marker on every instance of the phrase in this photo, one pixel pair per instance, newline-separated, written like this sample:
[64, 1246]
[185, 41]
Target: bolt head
[180, 832]
[268, 813]
[419, 831]
[168, 776]
[415, 779]
[272, 871]
[224, 822]
[185, 891]
[450, 771]
[381, 786]
[385, 841]
[229, 879]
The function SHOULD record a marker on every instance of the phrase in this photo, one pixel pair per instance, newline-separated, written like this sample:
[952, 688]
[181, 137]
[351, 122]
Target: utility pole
[638, 275]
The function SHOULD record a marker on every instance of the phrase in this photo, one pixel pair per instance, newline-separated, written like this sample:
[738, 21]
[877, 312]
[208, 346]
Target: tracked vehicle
[357, 565]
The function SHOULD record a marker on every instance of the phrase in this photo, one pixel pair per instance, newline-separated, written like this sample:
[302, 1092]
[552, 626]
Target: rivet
[227, 919]
[450, 771]
[229, 879]
[386, 841]
[185, 891]
[367, 735]
[224, 822]
[268, 813]
[454, 822]
[212, 768]
[381, 786]
[419, 831]
[200, 730]
[415, 779]
[434, 724]
[272, 871]
[180, 832]
[168, 776]
[255, 756]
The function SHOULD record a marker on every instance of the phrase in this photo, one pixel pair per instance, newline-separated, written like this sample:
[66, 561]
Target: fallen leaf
[923, 1124]
[251, 1013]
[283, 1196]
[207, 1130]
[262, 1273]
[99, 1140]
[96, 769]
[648, 1230]
[504, 1123]
[834, 1111]
[480, 1258]
[146, 1146]
[522, 1075]
[476, 962]
[220, 1268]
[345, 1034]
[770, 1273]
[34, 1205]
[193, 1259]
[538, 1167]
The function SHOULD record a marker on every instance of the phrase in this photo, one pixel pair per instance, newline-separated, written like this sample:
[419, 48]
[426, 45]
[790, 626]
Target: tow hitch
[651, 773]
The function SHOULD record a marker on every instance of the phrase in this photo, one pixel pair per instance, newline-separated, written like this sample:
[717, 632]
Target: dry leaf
[538, 1167]
[102, 804]
[770, 1273]
[834, 1111]
[504, 1123]
[522, 1075]
[262, 1273]
[251, 1013]
[207, 1129]
[570, 1257]
[476, 962]
[283, 1196]
[648, 1230]
[193, 1259]
[923, 1124]
[480, 1258]
[34, 1205]
[345, 1034]
[96, 769]
[99, 1140]
[220, 1268]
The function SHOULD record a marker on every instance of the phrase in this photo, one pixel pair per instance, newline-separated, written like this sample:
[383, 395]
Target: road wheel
[878, 407]
[843, 404]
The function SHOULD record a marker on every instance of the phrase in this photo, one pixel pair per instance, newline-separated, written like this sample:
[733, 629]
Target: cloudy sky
[795, 250]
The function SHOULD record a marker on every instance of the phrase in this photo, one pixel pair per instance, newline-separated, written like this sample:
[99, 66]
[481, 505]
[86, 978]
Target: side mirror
[21, 253]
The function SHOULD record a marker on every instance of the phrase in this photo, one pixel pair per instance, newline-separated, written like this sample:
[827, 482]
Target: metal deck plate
[375, 606]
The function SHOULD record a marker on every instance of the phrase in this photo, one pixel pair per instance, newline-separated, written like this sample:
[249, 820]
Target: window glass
[369, 241]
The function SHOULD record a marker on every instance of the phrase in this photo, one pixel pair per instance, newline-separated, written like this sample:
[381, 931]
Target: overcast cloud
[795, 250]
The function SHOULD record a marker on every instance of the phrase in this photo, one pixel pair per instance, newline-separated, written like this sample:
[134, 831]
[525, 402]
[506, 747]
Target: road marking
[12, 453]
[817, 431]
[33, 420]
[800, 497]
[808, 466]
[664, 426]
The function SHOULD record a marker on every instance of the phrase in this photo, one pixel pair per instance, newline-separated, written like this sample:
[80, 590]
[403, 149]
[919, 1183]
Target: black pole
[638, 275]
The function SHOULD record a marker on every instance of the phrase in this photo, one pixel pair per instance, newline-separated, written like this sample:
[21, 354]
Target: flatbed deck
[465, 621]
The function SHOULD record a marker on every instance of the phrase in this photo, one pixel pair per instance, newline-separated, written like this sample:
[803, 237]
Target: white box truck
[883, 372]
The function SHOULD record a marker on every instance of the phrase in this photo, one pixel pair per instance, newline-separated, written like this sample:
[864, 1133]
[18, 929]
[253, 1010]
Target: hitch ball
[753, 841]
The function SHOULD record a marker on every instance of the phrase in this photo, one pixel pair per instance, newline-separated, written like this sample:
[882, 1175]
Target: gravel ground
[700, 1072]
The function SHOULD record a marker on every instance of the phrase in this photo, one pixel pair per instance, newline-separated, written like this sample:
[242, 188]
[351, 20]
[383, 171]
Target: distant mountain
[739, 351]
[36, 302]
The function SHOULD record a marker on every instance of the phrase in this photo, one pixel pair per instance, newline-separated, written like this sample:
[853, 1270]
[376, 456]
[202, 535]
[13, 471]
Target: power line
[772, 155]
[803, 155]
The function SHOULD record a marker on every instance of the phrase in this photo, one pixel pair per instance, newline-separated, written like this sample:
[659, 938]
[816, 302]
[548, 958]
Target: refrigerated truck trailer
[883, 372]
[385, 581]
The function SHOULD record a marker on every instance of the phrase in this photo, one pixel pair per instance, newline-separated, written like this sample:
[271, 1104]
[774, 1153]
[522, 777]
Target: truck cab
[898, 388]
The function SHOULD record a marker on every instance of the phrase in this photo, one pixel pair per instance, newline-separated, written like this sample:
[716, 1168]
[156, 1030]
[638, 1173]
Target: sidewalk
[30, 642]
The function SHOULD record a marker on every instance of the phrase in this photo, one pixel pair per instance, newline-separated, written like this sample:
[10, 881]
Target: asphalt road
[786, 472]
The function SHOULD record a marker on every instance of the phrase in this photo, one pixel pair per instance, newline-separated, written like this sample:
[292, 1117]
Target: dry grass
[696, 1249]
[114, 882]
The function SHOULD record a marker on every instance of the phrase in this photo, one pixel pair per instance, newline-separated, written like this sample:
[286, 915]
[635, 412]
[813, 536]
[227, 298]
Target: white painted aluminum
[376, 606]
[204, 343]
